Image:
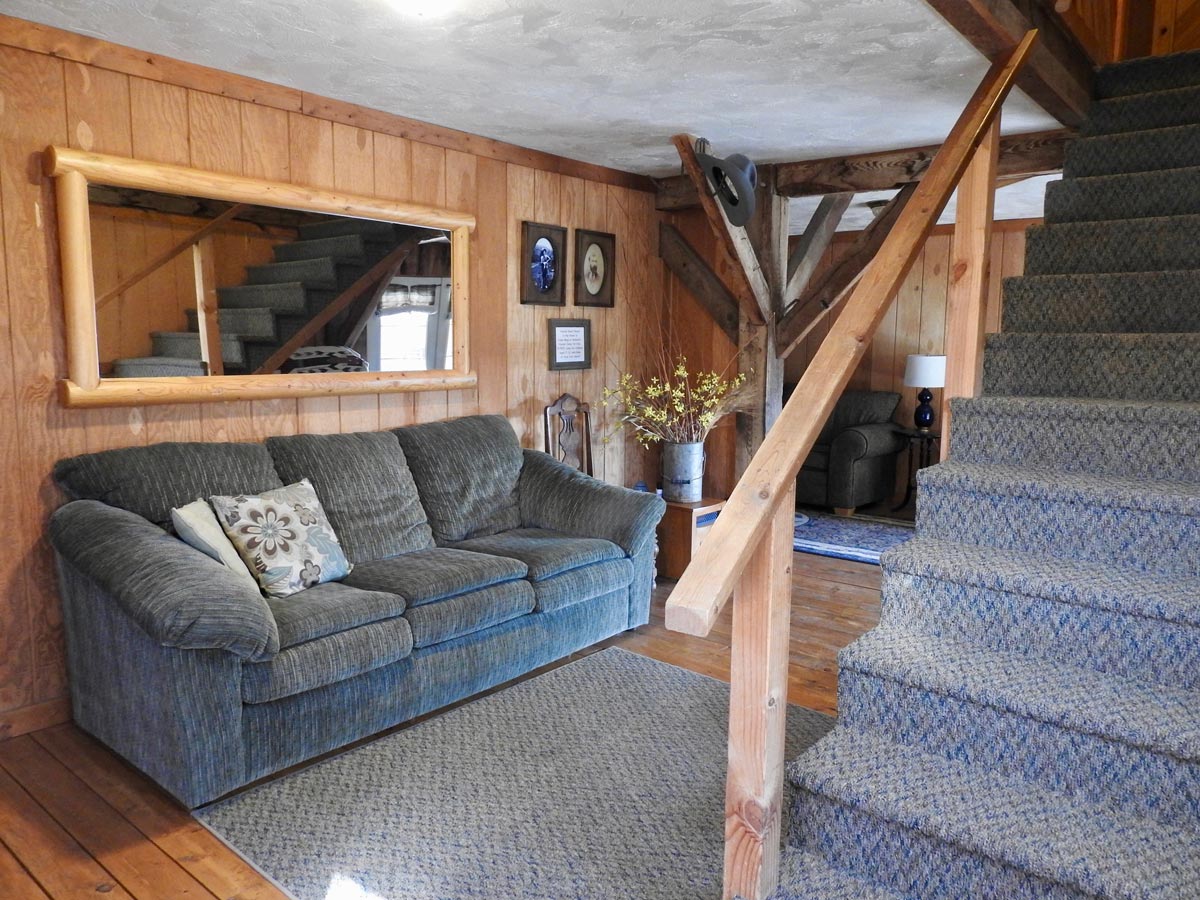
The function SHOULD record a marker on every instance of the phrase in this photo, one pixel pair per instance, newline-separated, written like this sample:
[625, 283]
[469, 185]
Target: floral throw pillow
[284, 537]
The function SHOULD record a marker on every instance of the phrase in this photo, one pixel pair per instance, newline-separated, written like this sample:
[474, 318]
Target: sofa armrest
[556, 496]
[179, 596]
[866, 442]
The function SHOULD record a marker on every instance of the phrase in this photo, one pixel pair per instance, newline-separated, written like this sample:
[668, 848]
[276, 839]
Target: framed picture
[595, 268]
[570, 344]
[544, 258]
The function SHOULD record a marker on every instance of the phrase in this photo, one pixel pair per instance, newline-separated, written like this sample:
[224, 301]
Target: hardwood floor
[76, 821]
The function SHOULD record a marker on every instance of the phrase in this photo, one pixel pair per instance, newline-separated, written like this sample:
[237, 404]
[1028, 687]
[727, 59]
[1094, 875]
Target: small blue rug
[860, 540]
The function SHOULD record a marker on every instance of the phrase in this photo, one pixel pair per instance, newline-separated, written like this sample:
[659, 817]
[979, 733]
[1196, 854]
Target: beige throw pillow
[197, 526]
[284, 537]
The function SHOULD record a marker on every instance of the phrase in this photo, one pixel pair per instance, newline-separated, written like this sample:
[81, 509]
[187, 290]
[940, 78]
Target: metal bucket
[683, 472]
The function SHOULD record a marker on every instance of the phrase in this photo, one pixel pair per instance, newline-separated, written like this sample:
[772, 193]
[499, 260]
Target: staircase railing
[748, 553]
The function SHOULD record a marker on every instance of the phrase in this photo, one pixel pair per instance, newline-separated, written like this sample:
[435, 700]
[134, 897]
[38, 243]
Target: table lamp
[924, 372]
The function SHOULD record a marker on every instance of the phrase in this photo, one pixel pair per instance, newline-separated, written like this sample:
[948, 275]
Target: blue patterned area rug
[601, 779]
[861, 540]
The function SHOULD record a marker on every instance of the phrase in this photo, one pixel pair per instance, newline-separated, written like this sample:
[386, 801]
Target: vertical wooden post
[75, 253]
[207, 316]
[758, 710]
[970, 255]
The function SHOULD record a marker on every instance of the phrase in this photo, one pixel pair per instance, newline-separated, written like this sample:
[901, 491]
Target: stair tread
[810, 876]
[1180, 497]
[1077, 582]
[1131, 412]
[1112, 79]
[1161, 718]
[1146, 110]
[1091, 847]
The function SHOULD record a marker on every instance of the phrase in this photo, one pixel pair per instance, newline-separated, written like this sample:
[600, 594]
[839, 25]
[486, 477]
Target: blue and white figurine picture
[544, 249]
[543, 264]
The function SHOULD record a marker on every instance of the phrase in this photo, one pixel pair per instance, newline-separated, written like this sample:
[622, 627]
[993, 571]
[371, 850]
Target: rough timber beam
[702, 282]
[1021, 155]
[750, 285]
[804, 259]
[1059, 76]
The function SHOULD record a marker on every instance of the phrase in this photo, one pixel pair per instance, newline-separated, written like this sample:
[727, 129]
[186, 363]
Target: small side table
[681, 531]
[920, 453]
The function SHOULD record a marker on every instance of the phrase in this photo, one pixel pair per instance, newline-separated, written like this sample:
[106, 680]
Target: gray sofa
[474, 562]
[853, 462]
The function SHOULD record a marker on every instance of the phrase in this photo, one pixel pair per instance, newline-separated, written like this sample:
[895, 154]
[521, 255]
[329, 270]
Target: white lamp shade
[925, 371]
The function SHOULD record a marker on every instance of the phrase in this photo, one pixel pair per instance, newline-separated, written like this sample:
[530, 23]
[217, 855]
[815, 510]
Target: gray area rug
[604, 778]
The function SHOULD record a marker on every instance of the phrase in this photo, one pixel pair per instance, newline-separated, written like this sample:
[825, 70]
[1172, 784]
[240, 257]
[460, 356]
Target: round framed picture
[595, 268]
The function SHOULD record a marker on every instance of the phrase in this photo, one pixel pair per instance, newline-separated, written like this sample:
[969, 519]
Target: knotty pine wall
[85, 93]
[1176, 26]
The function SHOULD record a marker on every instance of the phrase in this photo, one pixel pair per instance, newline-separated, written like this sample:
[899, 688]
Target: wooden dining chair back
[569, 432]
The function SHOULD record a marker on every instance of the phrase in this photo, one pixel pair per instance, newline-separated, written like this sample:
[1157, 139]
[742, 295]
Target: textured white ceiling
[605, 81]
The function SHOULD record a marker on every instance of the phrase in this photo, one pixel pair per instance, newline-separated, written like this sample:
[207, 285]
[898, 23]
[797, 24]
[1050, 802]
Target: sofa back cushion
[364, 484]
[858, 408]
[151, 481]
[466, 471]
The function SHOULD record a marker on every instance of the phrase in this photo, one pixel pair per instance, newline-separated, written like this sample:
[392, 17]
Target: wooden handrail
[167, 255]
[382, 269]
[707, 583]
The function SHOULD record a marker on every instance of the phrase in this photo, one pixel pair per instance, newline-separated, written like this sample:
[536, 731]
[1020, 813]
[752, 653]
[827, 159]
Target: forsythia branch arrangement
[677, 406]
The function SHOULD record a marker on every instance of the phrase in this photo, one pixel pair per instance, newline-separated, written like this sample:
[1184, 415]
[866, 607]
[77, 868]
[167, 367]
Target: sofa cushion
[327, 660]
[466, 472]
[197, 526]
[453, 617]
[581, 584]
[366, 488]
[329, 608]
[425, 576]
[547, 553]
[284, 537]
[151, 481]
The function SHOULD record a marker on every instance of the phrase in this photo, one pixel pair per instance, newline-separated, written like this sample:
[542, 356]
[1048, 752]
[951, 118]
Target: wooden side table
[681, 531]
[920, 455]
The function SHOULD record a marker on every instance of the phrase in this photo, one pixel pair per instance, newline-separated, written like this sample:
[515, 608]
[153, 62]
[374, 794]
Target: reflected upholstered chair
[853, 462]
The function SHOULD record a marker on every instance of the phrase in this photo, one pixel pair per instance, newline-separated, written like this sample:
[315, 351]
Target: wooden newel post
[207, 314]
[758, 710]
[970, 258]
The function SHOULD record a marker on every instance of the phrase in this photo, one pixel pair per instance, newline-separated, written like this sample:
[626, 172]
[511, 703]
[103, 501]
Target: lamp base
[923, 416]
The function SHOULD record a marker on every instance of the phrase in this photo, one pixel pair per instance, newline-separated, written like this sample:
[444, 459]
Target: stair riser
[1123, 197]
[320, 273]
[1142, 151]
[1168, 543]
[348, 247]
[1163, 302]
[282, 298]
[1161, 450]
[908, 862]
[1128, 646]
[1156, 73]
[1082, 766]
[247, 323]
[1153, 369]
[1140, 245]
[232, 351]
[1142, 113]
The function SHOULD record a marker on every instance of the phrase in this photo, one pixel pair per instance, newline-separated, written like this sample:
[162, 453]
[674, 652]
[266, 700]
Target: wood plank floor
[77, 822]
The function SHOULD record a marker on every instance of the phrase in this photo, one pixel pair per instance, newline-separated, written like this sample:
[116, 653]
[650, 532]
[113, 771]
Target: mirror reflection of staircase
[276, 300]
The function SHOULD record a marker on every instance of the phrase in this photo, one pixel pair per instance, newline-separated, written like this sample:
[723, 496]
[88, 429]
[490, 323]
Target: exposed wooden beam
[822, 296]
[750, 286]
[701, 281]
[1035, 153]
[806, 255]
[1059, 76]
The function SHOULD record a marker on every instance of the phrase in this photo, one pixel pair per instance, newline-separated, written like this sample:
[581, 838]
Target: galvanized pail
[683, 472]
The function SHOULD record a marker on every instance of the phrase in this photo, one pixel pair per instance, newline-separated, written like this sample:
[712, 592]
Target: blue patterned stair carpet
[1025, 721]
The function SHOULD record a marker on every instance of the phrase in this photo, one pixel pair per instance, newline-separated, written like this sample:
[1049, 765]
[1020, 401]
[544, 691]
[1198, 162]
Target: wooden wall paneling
[462, 191]
[907, 340]
[393, 180]
[933, 309]
[645, 313]
[1165, 15]
[98, 118]
[354, 172]
[310, 152]
[1187, 26]
[35, 116]
[523, 337]
[995, 284]
[266, 153]
[625, 341]
[489, 286]
[428, 185]
[547, 385]
[594, 217]
[572, 209]
[104, 269]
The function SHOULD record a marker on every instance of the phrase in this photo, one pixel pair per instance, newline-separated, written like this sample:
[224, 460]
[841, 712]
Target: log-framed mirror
[350, 287]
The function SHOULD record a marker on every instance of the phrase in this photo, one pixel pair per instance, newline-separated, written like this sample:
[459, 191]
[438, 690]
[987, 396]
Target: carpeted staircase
[279, 298]
[1025, 721]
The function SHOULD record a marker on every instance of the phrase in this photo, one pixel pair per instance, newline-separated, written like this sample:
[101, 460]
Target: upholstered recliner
[853, 462]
